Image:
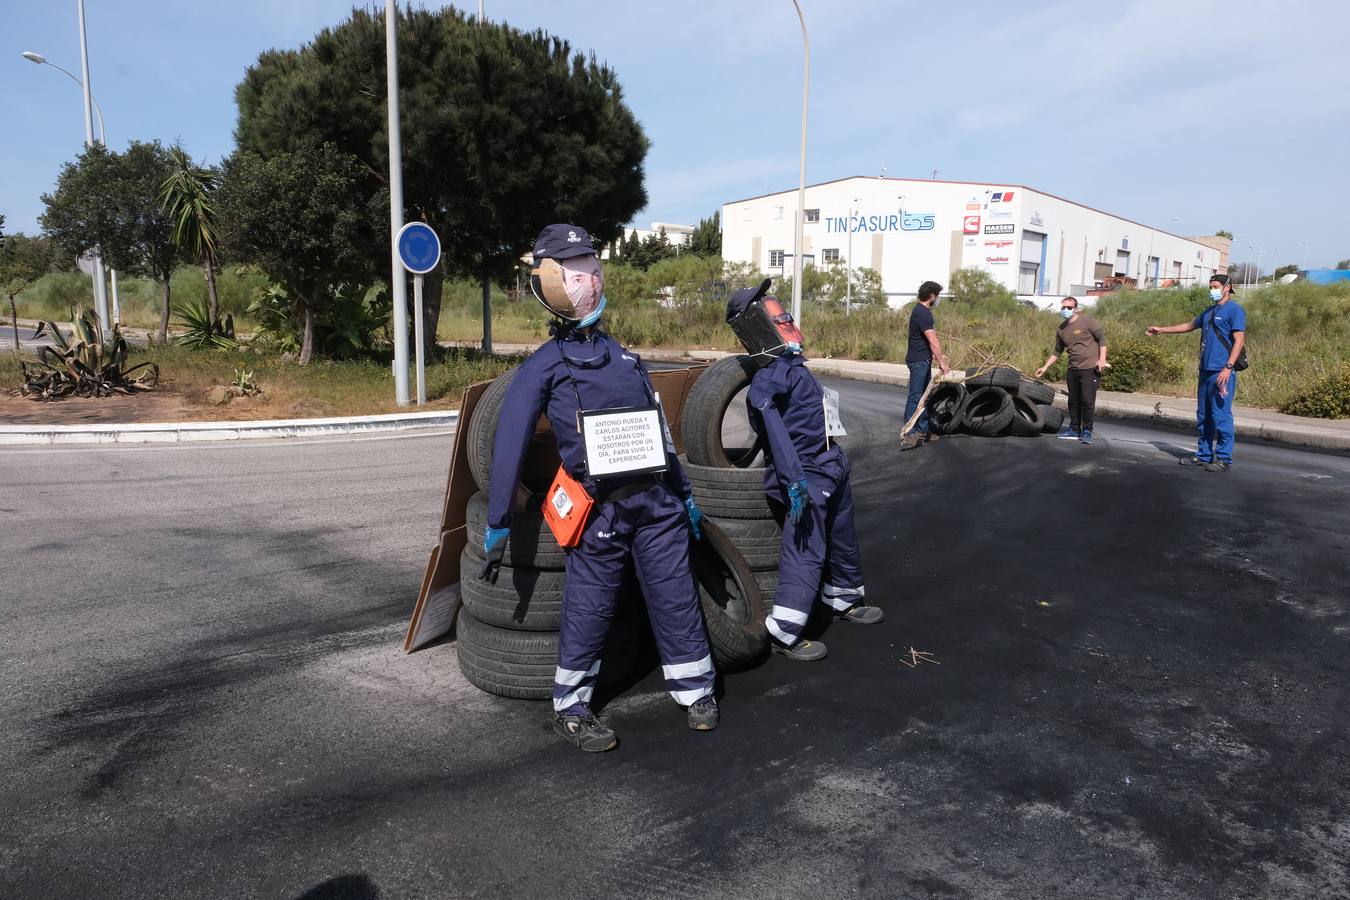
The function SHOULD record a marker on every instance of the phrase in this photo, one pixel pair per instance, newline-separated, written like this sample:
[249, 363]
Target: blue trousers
[820, 558]
[652, 528]
[919, 373]
[1214, 417]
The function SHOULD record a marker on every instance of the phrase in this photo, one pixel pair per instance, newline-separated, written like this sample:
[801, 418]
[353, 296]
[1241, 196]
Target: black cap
[563, 242]
[744, 297]
[1220, 278]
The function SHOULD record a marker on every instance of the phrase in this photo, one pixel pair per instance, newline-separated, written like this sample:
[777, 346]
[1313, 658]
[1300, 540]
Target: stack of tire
[994, 402]
[728, 486]
[507, 632]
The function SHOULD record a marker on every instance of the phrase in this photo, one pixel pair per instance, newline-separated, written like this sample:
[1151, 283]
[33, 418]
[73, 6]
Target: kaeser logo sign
[999, 229]
[971, 225]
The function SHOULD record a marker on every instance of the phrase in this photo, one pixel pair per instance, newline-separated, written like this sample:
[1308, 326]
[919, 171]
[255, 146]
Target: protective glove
[695, 516]
[494, 548]
[798, 497]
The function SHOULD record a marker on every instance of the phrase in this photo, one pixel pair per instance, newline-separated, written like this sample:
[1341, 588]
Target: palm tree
[188, 196]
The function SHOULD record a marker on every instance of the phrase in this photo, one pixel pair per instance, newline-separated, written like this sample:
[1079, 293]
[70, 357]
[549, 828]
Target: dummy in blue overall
[646, 518]
[806, 478]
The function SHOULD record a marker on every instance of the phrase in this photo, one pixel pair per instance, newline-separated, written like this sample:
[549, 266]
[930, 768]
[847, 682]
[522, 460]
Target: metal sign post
[420, 252]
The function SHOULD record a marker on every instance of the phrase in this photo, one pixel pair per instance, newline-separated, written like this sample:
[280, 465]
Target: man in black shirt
[924, 350]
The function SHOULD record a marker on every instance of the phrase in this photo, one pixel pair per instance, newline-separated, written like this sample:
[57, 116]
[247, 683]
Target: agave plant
[85, 365]
[201, 332]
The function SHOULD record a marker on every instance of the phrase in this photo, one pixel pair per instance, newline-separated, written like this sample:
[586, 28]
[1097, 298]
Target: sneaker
[584, 730]
[1067, 434]
[1217, 466]
[862, 615]
[703, 714]
[1085, 437]
[910, 441]
[802, 651]
[1194, 461]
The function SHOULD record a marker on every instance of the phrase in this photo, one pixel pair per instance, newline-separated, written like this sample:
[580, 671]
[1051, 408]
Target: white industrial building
[910, 231]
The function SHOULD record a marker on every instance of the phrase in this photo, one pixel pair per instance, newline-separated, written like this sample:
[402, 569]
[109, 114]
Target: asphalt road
[25, 338]
[1139, 690]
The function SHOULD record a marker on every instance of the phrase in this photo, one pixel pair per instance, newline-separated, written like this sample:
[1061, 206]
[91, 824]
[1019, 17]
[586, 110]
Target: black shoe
[1194, 461]
[802, 651]
[584, 730]
[1217, 466]
[703, 714]
[859, 614]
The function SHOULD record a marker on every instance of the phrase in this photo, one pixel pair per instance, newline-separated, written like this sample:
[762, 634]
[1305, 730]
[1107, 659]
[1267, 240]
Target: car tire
[945, 405]
[768, 586]
[522, 599]
[1053, 418]
[706, 407]
[760, 541]
[523, 664]
[1004, 377]
[1027, 420]
[988, 411]
[728, 493]
[483, 429]
[531, 543]
[729, 595]
[1036, 391]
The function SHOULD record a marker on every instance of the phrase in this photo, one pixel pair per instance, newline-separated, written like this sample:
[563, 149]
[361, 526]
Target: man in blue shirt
[924, 349]
[1223, 333]
[642, 518]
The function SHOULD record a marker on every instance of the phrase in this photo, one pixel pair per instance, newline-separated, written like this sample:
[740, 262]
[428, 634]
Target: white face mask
[1066, 312]
[1216, 294]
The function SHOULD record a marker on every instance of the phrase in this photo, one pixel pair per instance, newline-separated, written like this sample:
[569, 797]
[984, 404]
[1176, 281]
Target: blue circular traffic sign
[418, 247]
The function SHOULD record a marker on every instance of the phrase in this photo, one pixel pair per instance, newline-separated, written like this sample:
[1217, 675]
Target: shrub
[1328, 398]
[976, 288]
[1137, 363]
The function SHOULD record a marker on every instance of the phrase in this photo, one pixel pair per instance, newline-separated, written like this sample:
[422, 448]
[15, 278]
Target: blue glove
[798, 497]
[695, 516]
[494, 548]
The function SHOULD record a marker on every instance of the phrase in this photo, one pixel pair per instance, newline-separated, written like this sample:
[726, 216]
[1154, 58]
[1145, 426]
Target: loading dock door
[1028, 273]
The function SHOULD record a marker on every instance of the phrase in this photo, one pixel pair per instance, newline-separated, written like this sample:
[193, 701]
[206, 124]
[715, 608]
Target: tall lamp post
[801, 180]
[848, 291]
[100, 292]
[1305, 255]
[399, 286]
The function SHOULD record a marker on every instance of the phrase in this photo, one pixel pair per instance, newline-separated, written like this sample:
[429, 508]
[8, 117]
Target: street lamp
[1305, 255]
[398, 280]
[100, 294]
[848, 292]
[801, 182]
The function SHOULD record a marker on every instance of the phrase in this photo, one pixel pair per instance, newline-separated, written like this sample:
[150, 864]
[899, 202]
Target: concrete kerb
[187, 432]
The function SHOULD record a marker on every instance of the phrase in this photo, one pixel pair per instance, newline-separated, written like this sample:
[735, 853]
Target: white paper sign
[623, 441]
[435, 618]
[834, 426]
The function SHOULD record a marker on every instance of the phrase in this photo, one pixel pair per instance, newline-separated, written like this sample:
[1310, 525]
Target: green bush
[976, 289]
[1328, 398]
[1137, 363]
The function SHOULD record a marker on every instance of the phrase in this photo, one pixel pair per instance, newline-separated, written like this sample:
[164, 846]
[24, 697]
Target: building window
[813, 215]
[777, 213]
[775, 259]
[831, 255]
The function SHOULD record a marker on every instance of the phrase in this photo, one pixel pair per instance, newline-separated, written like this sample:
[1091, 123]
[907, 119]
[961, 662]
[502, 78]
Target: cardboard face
[584, 283]
[782, 320]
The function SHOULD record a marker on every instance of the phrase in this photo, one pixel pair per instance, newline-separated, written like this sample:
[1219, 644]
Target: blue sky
[1224, 114]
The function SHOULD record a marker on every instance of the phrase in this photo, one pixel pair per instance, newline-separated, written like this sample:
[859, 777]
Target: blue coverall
[588, 369]
[819, 553]
[1213, 411]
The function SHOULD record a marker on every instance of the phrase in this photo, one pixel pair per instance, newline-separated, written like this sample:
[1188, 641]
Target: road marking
[225, 445]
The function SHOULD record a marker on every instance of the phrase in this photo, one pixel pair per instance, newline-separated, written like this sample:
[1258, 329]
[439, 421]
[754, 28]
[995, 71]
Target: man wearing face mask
[646, 517]
[1082, 336]
[806, 477]
[1223, 327]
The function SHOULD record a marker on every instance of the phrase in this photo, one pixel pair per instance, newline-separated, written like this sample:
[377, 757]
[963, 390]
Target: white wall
[911, 231]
